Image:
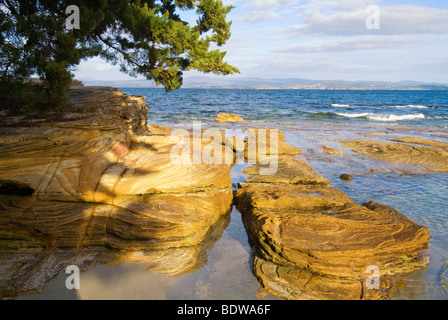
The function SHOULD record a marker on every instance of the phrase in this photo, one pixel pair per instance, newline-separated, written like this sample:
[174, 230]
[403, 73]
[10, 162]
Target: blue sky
[328, 40]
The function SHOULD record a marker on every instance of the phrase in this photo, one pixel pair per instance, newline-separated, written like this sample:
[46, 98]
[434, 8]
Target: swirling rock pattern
[428, 155]
[95, 174]
[313, 242]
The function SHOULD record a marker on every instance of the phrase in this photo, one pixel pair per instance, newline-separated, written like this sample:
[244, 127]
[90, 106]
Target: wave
[340, 105]
[354, 115]
[409, 106]
[383, 117]
[394, 117]
[412, 106]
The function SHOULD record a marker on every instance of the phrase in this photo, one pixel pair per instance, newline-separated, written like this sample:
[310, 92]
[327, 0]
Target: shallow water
[226, 273]
[422, 197]
[226, 276]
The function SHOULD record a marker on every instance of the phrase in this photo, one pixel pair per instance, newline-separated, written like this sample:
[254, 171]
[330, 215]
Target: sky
[353, 40]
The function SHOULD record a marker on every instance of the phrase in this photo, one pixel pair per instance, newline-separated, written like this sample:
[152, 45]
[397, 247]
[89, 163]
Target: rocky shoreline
[428, 155]
[313, 242]
[96, 175]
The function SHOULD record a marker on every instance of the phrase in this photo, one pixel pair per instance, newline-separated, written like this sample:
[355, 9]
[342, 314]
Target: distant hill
[277, 83]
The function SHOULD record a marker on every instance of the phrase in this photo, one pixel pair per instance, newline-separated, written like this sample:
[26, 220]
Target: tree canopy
[144, 37]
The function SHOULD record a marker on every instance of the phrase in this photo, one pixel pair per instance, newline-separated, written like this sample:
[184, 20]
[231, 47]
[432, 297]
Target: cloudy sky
[329, 40]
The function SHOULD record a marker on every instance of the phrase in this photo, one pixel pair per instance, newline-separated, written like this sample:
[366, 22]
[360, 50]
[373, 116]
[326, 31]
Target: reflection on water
[218, 269]
[28, 272]
[221, 267]
[420, 196]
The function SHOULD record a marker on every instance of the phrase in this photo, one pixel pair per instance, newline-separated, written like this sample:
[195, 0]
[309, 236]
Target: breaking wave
[383, 117]
[340, 105]
[411, 106]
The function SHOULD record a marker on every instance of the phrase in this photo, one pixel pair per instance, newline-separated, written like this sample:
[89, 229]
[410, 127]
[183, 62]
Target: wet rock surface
[428, 155]
[311, 241]
[95, 175]
[228, 118]
[95, 184]
[29, 272]
[329, 150]
[346, 177]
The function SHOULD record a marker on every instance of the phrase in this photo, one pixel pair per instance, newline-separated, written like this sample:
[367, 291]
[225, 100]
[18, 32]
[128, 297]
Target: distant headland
[277, 83]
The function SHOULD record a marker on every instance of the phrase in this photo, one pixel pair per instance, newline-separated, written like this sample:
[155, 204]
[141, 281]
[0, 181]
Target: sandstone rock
[101, 177]
[329, 150]
[432, 158]
[425, 142]
[23, 273]
[314, 242]
[285, 169]
[346, 177]
[325, 235]
[228, 117]
[266, 143]
[155, 129]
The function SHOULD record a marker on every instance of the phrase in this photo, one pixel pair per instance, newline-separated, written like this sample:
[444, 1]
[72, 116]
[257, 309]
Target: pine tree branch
[124, 53]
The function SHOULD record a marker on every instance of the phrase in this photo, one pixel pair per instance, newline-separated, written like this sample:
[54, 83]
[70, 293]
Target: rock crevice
[313, 242]
[96, 174]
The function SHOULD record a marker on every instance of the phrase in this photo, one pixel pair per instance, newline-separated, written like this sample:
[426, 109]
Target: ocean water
[415, 107]
[310, 119]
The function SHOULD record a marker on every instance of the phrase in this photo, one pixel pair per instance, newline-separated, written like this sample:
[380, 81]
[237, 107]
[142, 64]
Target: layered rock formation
[228, 118]
[94, 175]
[329, 150]
[265, 143]
[427, 154]
[313, 242]
[28, 272]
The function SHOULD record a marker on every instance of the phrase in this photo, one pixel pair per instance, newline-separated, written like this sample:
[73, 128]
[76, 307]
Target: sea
[310, 119]
[412, 107]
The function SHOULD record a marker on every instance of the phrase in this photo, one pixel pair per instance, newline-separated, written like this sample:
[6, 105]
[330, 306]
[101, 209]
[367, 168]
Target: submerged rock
[266, 145]
[228, 117]
[346, 177]
[433, 156]
[285, 169]
[313, 242]
[329, 150]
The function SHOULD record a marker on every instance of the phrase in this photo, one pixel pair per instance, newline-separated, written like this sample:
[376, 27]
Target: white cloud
[266, 10]
[98, 69]
[357, 43]
[269, 4]
[397, 19]
[278, 38]
[346, 5]
[260, 16]
[308, 66]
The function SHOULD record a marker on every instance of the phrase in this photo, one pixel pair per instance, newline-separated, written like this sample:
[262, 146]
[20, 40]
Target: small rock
[328, 150]
[228, 117]
[346, 177]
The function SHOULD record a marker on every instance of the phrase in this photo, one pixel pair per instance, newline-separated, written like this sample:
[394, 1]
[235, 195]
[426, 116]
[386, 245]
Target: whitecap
[394, 117]
[383, 117]
[340, 105]
[355, 115]
[412, 106]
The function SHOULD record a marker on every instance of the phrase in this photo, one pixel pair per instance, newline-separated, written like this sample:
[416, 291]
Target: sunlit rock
[313, 242]
[95, 174]
[228, 117]
[425, 154]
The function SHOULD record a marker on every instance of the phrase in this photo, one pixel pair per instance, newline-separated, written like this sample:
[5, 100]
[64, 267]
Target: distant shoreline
[262, 88]
[277, 84]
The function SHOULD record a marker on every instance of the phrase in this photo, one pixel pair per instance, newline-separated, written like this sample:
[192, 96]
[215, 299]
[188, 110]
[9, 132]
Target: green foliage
[145, 37]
